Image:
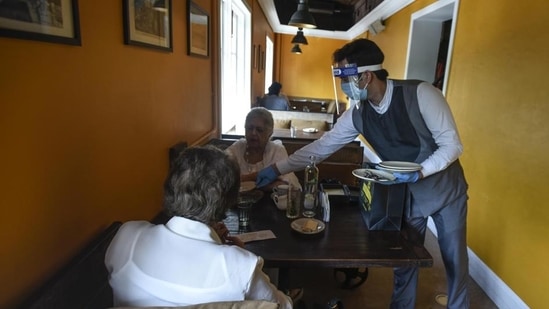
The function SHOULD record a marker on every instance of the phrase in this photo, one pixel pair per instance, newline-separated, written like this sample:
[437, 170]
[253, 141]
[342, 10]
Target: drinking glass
[294, 204]
[244, 214]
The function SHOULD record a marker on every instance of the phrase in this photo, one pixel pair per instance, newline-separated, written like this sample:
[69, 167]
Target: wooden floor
[320, 286]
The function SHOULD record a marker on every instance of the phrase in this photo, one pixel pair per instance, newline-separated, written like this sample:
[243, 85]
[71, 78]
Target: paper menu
[255, 236]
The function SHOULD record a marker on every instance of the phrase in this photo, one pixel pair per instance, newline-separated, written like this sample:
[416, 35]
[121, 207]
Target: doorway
[432, 32]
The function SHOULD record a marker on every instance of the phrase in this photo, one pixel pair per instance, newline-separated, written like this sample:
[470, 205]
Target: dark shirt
[274, 102]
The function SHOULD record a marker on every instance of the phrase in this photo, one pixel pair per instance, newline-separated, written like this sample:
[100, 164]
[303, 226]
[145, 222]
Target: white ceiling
[383, 11]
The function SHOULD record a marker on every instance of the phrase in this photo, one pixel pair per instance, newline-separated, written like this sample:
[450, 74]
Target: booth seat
[300, 120]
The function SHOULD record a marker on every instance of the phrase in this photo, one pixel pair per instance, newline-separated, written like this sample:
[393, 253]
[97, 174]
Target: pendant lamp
[302, 18]
[299, 38]
[296, 49]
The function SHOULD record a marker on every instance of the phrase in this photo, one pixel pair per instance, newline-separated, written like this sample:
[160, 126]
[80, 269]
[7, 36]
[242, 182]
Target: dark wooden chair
[339, 166]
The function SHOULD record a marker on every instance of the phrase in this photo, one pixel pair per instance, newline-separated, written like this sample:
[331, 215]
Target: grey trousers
[451, 227]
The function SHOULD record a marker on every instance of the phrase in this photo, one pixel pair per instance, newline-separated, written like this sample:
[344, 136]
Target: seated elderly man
[190, 259]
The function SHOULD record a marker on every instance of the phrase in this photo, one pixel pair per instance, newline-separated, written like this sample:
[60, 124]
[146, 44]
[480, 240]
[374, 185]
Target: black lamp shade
[302, 18]
[299, 38]
[296, 49]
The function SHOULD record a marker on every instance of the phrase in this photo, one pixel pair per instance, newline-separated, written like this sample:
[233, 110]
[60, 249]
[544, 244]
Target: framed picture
[148, 23]
[198, 30]
[53, 21]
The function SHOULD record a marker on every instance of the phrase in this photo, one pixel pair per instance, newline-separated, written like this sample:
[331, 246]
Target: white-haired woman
[257, 151]
[187, 260]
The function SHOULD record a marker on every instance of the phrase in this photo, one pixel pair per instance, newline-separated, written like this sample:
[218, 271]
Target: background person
[403, 120]
[187, 261]
[274, 100]
[257, 151]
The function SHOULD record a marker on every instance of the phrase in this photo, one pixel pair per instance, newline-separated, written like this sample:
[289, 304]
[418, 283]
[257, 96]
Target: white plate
[400, 166]
[373, 175]
[297, 225]
[247, 186]
[310, 130]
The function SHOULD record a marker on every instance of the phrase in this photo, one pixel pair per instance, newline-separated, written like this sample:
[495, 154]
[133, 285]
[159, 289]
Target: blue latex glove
[266, 176]
[406, 177]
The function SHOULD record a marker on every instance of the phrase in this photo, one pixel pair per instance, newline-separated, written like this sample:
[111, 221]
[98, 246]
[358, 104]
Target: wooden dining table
[345, 242]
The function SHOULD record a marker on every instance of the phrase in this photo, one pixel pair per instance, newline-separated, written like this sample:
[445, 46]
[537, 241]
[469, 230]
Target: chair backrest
[339, 166]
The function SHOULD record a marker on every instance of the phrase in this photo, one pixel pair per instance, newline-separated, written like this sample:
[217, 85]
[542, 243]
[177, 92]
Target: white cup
[281, 201]
[281, 190]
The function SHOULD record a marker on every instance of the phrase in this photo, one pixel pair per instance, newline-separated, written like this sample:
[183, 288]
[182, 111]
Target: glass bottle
[310, 194]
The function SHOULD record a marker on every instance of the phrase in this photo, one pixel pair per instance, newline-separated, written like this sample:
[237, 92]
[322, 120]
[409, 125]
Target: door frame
[424, 40]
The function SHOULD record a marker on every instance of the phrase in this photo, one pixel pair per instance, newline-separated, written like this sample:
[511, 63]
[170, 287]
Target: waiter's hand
[266, 176]
[407, 177]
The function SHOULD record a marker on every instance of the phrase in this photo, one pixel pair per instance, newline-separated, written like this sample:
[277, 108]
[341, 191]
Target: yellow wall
[84, 135]
[499, 94]
[308, 74]
[498, 91]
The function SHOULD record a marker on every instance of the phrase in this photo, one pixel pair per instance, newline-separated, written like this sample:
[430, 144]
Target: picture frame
[54, 21]
[148, 23]
[198, 30]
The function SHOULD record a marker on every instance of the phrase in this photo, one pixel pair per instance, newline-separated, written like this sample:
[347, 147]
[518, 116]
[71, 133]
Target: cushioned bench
[300, 120]
[82, 283]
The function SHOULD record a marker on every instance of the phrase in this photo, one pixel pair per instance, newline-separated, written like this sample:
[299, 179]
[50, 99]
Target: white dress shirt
[182, 263]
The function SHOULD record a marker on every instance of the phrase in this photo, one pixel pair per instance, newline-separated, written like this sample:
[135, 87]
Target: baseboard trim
[488, 281]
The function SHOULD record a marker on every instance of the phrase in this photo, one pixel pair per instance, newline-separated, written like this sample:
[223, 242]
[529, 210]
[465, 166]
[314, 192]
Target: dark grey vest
[400, 134]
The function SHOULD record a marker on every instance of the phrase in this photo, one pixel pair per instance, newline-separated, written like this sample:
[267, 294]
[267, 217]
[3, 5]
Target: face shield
[350, 76]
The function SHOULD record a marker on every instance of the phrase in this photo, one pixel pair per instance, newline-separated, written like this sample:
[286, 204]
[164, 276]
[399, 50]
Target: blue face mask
[352, 91]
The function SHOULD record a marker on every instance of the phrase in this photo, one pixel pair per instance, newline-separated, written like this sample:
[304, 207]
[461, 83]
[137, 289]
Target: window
[269, 54]
[236, 29]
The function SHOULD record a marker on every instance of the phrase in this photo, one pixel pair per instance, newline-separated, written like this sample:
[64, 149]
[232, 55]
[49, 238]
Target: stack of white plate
[399, 166]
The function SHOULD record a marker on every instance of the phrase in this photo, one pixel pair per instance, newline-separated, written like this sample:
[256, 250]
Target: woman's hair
[203, 182]
[275, 88]
[362, 52]
[262, 113]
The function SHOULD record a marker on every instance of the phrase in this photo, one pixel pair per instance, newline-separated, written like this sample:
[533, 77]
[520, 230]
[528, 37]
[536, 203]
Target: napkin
[325, 204]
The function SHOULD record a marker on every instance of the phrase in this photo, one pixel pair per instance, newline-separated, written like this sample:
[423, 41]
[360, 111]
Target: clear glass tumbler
[294, 203]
